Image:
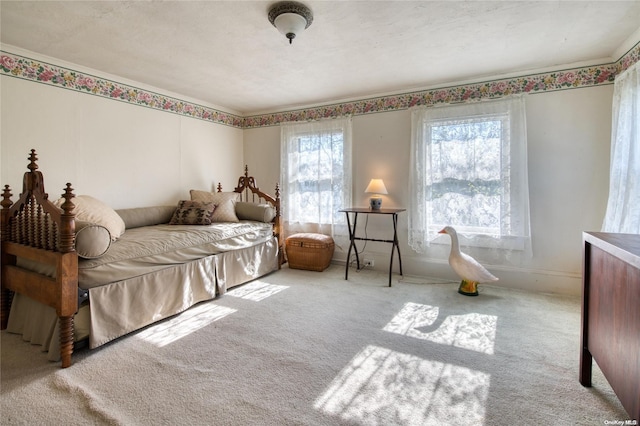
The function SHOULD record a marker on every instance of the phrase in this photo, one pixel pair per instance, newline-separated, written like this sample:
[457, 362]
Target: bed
[154, 270]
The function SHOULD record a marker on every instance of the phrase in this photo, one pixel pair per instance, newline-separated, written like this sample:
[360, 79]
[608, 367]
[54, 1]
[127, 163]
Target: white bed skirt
[123, 307]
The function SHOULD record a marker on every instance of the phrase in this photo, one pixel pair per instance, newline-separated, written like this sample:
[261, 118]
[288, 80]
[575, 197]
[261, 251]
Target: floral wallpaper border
[42, 72]
[543, 82]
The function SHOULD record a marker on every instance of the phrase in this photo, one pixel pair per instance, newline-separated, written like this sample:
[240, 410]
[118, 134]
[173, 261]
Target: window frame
[514, 211]
[291, 135]
[503, 119]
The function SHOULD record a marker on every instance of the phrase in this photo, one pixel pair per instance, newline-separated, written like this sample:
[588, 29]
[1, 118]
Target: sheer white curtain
[623, 206]
[316, 177]
[469, 170]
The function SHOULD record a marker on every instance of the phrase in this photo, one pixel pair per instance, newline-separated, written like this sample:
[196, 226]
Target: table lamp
[376, 187]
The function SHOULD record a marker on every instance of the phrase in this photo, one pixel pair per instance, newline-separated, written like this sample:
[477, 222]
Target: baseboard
[420, 270]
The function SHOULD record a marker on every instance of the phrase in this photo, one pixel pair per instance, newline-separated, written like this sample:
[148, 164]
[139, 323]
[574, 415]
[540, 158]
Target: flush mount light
[290, 18]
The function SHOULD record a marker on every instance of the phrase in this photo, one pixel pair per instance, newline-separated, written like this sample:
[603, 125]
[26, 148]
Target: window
[316, 176]
[470, 171]
[466, 186]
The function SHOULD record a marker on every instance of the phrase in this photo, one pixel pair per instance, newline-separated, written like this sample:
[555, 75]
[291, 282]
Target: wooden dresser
[611, 314]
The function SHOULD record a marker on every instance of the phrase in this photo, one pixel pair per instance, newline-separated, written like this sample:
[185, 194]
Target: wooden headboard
[250, 192]
[35, 229]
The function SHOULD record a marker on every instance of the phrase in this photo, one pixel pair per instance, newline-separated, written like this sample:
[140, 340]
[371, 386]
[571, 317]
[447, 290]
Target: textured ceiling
[226, 53]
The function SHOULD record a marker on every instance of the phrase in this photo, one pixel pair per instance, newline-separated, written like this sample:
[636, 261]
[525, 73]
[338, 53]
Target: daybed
[142, 265]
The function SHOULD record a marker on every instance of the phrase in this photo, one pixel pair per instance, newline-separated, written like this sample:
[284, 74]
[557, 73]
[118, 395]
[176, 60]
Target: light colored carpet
[309, 348]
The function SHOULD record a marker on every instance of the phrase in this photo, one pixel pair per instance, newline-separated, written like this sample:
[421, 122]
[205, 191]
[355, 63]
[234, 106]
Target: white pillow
[225, 203]
[89, 209]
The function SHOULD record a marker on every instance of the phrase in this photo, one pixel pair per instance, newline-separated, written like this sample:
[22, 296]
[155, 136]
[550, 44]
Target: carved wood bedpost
[68, 285]
[67, 223]
[277, 225]
[5, 295]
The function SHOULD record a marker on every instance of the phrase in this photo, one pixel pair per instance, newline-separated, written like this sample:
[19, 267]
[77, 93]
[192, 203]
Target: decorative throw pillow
[92, 240]
[89, 209]
[225, 203]
[192, 213]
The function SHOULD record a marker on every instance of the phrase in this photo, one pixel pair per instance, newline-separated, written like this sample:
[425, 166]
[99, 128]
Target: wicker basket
[312, 252]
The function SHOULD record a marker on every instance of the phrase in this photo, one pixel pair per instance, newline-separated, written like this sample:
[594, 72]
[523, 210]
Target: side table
[352, 235]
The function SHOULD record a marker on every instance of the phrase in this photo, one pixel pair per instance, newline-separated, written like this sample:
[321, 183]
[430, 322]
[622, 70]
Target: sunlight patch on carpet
[476, 332]
[256, 290]
[182, 325]
[382, 386]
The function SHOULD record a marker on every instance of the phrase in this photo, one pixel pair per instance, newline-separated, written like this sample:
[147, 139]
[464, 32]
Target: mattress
[140, 251]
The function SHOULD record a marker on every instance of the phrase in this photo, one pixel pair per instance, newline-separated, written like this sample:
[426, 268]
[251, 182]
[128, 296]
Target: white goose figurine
[466, 266]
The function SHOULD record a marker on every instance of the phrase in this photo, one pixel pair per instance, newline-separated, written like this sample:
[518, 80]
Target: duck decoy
[467, 268]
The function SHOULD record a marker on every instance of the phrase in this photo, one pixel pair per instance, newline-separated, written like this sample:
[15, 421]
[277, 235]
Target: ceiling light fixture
[290, 18]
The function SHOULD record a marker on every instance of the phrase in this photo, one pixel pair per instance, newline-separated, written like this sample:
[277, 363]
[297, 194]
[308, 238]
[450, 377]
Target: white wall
[568, 148]
[262, 156]
[122, 154]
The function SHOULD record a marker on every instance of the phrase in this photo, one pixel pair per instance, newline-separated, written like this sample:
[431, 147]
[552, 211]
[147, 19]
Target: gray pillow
[257, 212]
[92, 240]
[146, 216]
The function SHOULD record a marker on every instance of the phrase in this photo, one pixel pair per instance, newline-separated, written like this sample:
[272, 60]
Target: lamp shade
[376, 186]
[290, 23]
